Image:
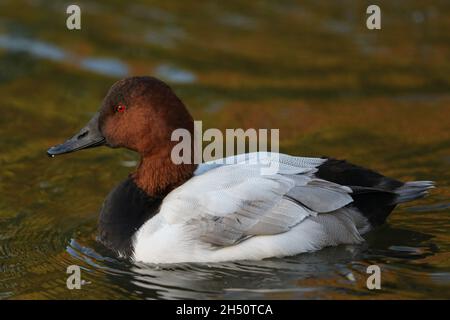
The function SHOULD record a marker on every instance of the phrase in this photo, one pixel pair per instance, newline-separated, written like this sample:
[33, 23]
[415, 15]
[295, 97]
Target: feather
[228, 203]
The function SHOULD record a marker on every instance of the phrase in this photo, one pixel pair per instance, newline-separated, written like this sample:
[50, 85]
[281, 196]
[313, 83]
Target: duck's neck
[157, 175]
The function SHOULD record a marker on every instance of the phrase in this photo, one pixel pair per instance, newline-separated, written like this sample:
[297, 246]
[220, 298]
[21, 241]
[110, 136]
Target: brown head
[140, 114]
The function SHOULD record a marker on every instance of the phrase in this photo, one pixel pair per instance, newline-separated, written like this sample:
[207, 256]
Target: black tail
[374, 195]
[413, 190]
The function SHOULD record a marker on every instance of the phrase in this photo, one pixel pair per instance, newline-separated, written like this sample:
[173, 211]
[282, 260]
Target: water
[378, 98]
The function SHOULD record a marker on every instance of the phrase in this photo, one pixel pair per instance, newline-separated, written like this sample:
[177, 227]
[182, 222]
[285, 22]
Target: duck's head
[140, 114]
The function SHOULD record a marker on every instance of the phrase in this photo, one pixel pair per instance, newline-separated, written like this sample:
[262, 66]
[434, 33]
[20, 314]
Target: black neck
[124, 211]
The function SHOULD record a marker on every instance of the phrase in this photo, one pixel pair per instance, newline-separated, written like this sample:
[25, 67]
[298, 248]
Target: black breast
[124, 211]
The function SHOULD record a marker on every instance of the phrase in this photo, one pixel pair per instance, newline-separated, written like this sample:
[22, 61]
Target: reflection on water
[173, 74]
[35, 48]
[333, 269]
[380, 99]
[105, 66]
[166, 37]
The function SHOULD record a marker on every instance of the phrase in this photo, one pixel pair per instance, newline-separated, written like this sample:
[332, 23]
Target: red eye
[120, 108]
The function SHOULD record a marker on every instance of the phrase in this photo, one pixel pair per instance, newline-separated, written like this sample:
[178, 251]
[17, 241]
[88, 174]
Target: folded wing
[226, 204]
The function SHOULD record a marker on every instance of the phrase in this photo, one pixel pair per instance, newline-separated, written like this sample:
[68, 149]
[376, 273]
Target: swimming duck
[170, 213]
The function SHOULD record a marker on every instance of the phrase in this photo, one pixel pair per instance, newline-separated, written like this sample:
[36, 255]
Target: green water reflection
[377, 98]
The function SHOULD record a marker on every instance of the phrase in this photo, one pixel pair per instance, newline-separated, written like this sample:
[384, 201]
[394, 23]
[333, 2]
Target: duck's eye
[120, 108]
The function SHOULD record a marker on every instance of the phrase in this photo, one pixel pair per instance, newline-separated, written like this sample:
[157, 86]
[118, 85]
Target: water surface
[377, 98]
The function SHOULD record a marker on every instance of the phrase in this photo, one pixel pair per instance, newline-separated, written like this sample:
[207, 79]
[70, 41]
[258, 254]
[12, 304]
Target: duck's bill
[88, 137]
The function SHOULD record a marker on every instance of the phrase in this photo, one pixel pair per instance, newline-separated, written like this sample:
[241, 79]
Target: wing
[228, 203]
[285, 162]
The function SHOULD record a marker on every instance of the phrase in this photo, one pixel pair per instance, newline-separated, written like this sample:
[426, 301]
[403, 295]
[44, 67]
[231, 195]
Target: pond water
[380, 99]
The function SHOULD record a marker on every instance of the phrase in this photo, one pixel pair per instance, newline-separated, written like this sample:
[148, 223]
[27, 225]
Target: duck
[166, 212]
